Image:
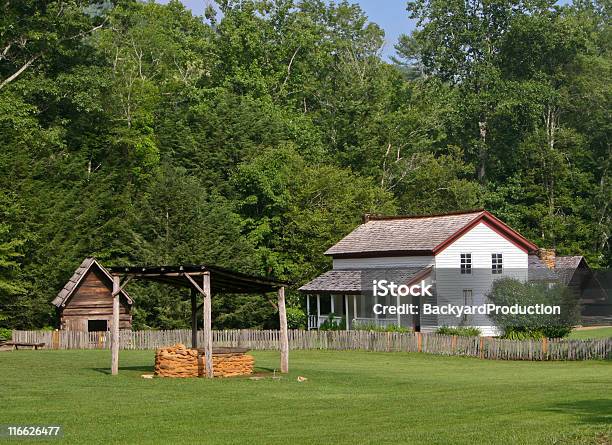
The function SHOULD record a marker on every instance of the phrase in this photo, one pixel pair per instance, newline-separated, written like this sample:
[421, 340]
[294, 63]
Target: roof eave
[329, 291]
[380, 253]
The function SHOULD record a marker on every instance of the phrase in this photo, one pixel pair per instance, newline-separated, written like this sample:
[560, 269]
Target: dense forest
[256, 136]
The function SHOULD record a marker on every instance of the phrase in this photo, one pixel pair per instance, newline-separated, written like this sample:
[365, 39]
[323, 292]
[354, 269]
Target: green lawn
[591, 333]
[350, 397]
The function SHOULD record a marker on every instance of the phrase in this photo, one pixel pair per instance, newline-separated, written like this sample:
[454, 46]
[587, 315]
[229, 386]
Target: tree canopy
[256, 136]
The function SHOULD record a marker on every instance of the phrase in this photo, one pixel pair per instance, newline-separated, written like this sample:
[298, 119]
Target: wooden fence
[482, 347]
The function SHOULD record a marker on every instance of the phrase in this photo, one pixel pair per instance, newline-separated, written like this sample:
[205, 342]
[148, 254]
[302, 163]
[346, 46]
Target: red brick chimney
[548, 257]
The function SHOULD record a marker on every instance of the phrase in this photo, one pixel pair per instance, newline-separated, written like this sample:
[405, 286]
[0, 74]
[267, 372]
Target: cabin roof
[565, 268]
[80, 273]
[561, 262]
[568, 262]
[222, 280]
[418, 235]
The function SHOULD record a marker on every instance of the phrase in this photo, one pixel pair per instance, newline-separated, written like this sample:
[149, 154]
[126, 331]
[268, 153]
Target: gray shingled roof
[351, 281]
[568, 262]
[76, 278]
[403, 234]
[565, 267]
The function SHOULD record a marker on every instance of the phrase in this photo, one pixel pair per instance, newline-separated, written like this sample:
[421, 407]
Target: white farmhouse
[459, 254]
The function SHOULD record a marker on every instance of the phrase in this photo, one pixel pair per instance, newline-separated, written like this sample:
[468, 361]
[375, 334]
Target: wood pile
[232, 364]
[180, 361]
[177, 361]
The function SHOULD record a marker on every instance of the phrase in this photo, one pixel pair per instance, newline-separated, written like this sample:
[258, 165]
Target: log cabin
[85, 303]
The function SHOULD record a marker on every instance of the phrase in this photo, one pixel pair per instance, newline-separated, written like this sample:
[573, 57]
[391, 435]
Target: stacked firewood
[179, 361]
[232, 364]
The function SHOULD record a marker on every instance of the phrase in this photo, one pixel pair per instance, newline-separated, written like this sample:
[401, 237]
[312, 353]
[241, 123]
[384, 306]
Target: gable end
[497, 226]
[89, 265]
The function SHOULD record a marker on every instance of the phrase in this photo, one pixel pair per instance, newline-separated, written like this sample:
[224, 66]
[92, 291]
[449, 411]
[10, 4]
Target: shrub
[557, 331]
[5, 334]
[331, 324]
[376, 328]
[517, 333]
[513, 333]
[462, 331]
[396, 328]
[296, 318]
[509, 291]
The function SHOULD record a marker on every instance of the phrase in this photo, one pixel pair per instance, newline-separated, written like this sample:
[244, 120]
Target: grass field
[591, 333]
[350, 397]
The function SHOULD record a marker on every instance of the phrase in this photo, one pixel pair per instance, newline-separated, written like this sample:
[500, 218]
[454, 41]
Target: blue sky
[390, 15]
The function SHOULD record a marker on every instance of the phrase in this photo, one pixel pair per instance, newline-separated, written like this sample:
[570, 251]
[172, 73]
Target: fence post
[419, 342]
[481, 349]
[55, 339]
[544, 348]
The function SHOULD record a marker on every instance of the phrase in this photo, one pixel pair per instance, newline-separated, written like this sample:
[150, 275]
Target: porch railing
[315, 322]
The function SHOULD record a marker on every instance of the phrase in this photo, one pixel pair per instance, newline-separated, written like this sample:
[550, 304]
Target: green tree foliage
[510, 292]
[520, 69]
[257, 137]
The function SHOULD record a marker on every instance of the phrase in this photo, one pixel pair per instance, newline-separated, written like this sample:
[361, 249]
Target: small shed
[86, 302]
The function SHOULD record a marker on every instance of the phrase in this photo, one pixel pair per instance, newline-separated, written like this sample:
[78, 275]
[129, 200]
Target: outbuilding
[86, 303]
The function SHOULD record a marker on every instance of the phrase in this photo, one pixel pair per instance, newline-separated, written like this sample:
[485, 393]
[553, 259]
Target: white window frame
[497, 263]
[465, 263]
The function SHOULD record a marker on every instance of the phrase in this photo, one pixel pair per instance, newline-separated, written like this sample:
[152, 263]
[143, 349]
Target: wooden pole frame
[115, 320]
[284, 334]
[205, 290]
[207, 325]
[194, 319]
[207, 317]
[115, 326]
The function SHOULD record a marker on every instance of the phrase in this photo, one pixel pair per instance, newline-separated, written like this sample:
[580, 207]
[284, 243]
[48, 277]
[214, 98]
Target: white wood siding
[481, 242]
[383, 262]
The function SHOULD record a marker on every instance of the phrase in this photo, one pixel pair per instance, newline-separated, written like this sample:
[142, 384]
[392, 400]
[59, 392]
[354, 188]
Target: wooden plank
[95, 310]
[194, 284]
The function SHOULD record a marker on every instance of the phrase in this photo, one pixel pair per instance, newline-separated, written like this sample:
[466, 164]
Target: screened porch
[353, 311]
